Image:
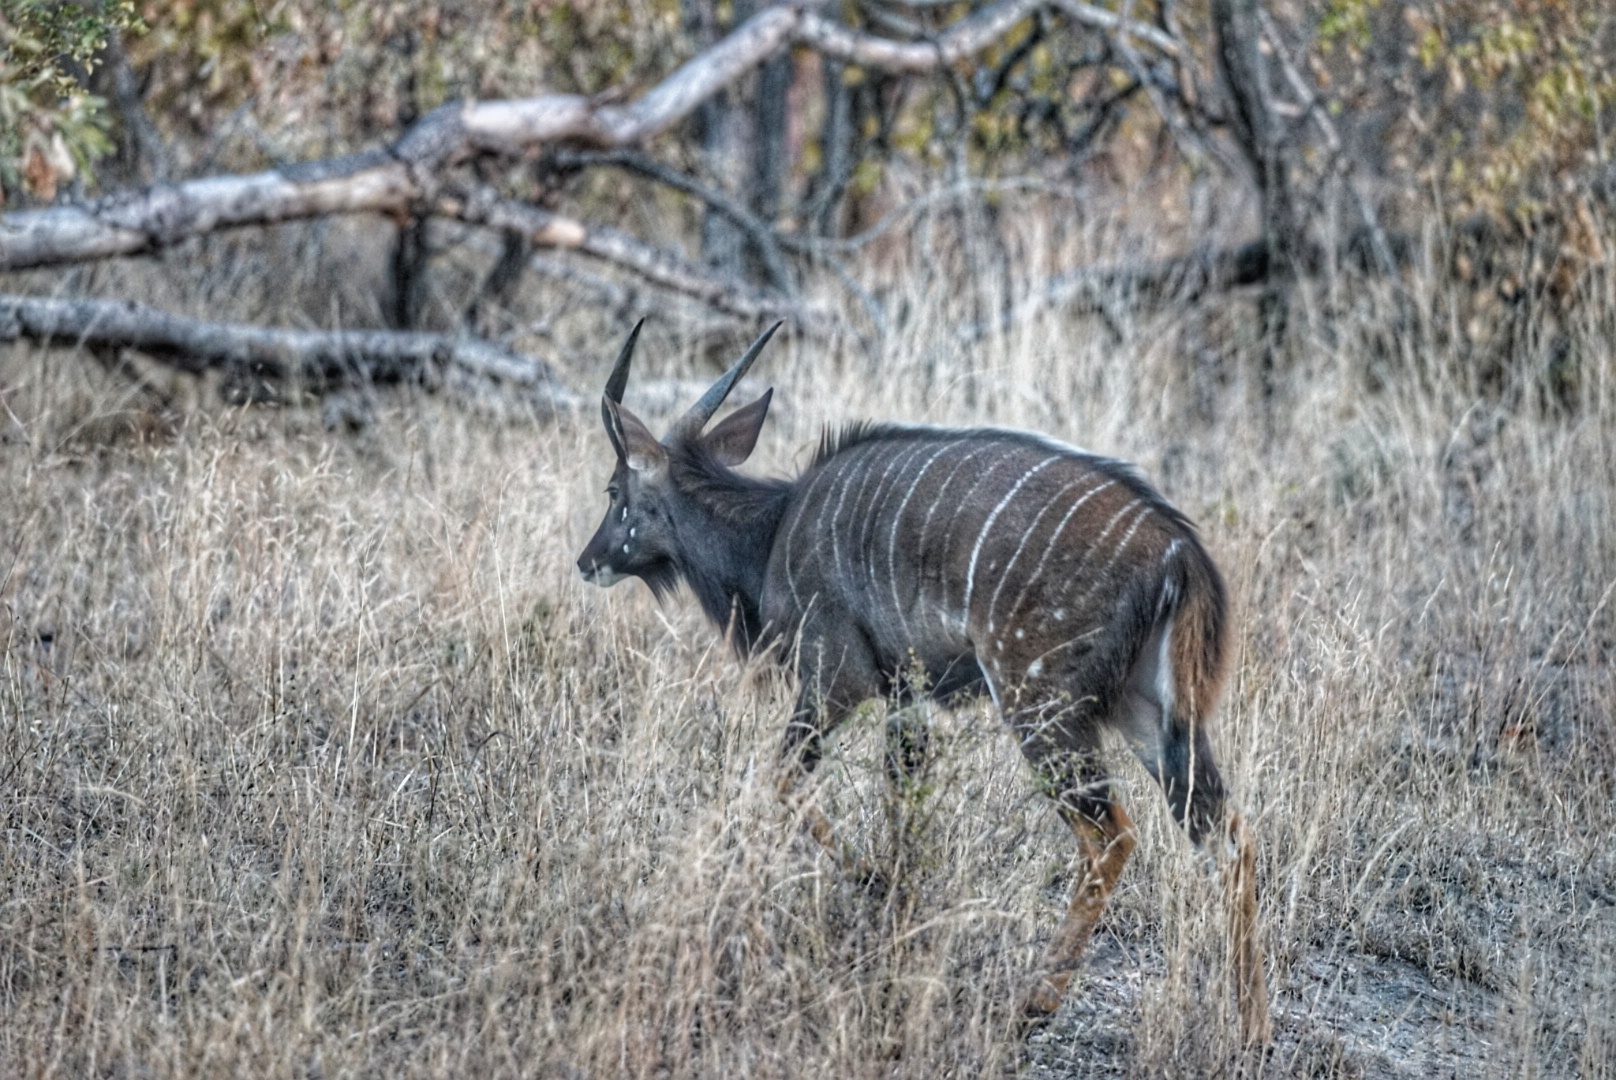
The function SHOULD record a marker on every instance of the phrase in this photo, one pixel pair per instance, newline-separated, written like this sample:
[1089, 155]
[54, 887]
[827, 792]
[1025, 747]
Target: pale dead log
[318, 358]
[164, 214]
[406, 174]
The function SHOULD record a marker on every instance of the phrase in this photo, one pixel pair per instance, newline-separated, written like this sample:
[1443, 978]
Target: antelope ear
[634, 442]
[733, 438]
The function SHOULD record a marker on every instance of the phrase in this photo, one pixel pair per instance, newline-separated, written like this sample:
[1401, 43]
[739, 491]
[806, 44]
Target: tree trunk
[742, 133]
[1243, 75]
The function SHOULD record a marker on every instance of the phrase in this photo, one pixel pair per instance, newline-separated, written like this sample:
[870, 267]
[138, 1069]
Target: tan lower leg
[1105, 847]
[1245, 945]
[819, 826]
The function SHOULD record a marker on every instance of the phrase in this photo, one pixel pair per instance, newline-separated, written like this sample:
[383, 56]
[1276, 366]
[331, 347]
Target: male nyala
[988, 561]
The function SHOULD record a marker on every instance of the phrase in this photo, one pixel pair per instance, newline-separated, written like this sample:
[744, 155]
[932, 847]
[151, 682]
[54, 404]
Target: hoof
[1042, 1001]
[871, 882]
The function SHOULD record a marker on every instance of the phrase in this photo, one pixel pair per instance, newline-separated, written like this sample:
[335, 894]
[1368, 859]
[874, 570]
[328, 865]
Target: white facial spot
[1020, 633]
[1035, 669]
[624, 515]
[999, 645]
[1060, 614]
[631, 532]
[625, 549]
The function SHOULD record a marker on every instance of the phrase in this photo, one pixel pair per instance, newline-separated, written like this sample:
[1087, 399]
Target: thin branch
[960, 41]
[1188, 144]
[661, 267]
[1183, 279]
[759, 231]
[1121, 26]
[1207, 271]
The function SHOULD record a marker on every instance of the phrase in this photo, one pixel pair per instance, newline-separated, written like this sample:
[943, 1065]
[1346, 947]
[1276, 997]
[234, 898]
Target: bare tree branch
[960, 41]
[1317, 112]
[408, 173]
[320, 358]
[664, 268]
[1207, 271]
[1101, 19]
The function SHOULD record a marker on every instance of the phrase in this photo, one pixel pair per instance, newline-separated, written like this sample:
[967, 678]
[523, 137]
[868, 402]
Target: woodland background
[316, 758]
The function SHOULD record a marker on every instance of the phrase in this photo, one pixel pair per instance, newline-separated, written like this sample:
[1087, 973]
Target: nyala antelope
[988, 561]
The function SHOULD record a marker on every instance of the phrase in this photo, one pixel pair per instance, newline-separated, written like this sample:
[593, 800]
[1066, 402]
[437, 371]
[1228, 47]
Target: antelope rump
[910, 561]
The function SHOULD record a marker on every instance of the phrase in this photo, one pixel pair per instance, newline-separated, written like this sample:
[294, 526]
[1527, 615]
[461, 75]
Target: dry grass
[317, 759]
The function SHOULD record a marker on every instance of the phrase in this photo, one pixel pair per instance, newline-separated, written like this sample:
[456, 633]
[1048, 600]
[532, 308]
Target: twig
[1180, 280]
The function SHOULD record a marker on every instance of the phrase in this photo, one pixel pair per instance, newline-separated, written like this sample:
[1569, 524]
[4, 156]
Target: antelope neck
[727, 537]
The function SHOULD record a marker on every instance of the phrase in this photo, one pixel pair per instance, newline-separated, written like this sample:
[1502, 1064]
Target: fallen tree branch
[408, 173]
[321, 359]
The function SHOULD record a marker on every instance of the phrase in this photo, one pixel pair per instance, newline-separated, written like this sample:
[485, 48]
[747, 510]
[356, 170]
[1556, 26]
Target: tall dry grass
[317, 759]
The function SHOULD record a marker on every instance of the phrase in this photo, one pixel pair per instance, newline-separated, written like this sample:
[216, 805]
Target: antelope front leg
[798, 758]
[835, 681]
[1245, 944]
[802, 806]
[1104, 846]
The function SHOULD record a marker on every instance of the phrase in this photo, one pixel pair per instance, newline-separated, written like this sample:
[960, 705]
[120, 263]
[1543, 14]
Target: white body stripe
[1004, 575]
[948, 536]
[987, 526]
[836, 516]
[1054, 536]
[925, 523]
[1116, 554]
[892, 535]
[791, 534]
[897, 465]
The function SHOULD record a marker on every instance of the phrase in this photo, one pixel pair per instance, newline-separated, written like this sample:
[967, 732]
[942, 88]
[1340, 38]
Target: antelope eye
[612, 493]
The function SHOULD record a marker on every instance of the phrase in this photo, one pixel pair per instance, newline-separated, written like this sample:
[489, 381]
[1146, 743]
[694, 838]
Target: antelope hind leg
[1104, 847]
[1245, 944]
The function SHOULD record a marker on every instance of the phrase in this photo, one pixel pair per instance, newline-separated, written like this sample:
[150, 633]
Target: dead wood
[408, 173]
[318, 359]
